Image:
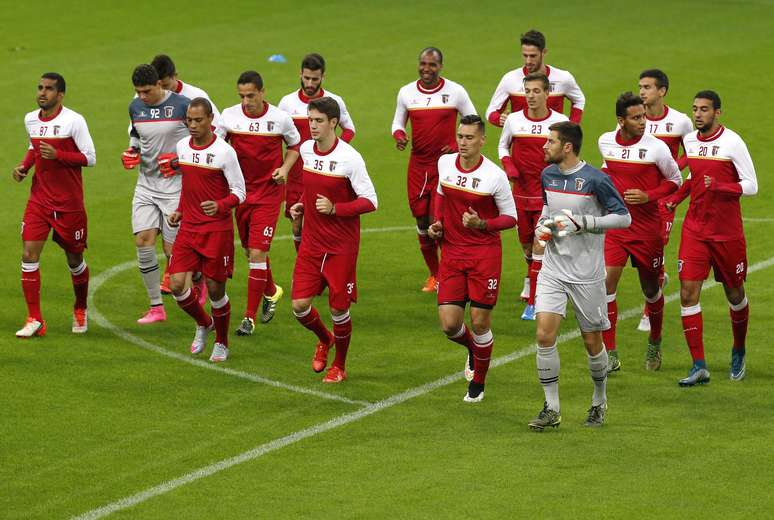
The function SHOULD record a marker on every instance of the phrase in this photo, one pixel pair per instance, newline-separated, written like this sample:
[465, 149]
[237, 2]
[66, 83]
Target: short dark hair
[328, 106]
[202, 102]
[55, 76]
[473, 119]
[144, 75]
[251, 76]
[435, 50]
[569, 132]
[711, 95]
[662, 81]
[539, 76]
[624, 101]
[164, 66]
[534, 37]
[313, 61]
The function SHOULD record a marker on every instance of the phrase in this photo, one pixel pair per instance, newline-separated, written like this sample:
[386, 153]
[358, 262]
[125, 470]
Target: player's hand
[471, 220]
[635, 196]
[324, 205]
[280, 176]
[401, 139]
[173, 219]
[708, 182]
[130, 158]
[503, 117]
[297, 210]
[568, 224]
[670, 206]
[19, 173]
[545, 231]
[47, 151]
[169, 165]
[435, 231]
[209, 207]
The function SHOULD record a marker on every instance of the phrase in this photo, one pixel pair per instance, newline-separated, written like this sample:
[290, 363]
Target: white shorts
[149, 212]
[588, 300]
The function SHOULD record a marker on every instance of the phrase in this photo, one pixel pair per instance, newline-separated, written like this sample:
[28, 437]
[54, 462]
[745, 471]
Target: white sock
[548, 374]
[149, 270]
[598, 369]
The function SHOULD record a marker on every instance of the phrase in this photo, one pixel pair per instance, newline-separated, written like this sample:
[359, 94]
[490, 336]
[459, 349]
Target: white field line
[97, 282]
[341, 420]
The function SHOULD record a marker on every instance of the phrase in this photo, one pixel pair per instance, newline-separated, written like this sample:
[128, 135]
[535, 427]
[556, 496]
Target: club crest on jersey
[332, 165]
[715, 150]
[551, 86]
[669, 127]
[210, 157]
[643, 152]
[270, 126]
[57, 127]
[444, 98]
[579, 182]
[476, 182]
[168, 111]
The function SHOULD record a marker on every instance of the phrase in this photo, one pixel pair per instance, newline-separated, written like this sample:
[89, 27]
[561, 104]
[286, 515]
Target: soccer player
[670, 126]
[638, 163]
[474, 204]
[60, 145]
[580, 204]
[157, 123]
[432, 105]
[296, 104]
[713, 234]
[521, 153]
[511, 86]
[257, 130]
[212, 185]
[337, 190]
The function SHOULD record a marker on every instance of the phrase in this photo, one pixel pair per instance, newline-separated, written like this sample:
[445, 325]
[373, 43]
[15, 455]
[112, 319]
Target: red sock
[221, 316]
[312, 322]
[608, 336]
[270, 289]
[189, 302]
[342, 332]
[256, 284]
[465, 338]
[482, 354]
[534, 269]
[655, 312]
[30, 280]
[429, 249]
[739, 321]
[80, 286]
[693, 328]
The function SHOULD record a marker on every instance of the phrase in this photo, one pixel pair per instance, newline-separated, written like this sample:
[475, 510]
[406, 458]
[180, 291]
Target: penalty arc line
[341, 420]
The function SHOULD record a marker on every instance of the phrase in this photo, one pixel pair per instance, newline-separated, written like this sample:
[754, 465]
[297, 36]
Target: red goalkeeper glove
[130, 158]
[169, 164]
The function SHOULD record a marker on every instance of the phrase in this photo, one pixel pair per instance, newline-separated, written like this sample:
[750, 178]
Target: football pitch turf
[122, 421]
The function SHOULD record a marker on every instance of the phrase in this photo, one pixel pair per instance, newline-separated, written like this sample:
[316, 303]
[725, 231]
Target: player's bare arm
[280, 175]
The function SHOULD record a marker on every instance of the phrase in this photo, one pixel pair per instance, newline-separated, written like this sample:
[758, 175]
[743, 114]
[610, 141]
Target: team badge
[579, 182]
[643, 152]
[332, 165]
[669, 127]
[444, 98]
[476, 182]
[551, 86]
[270, 126]
[168, 111]
[57, 127]
[715, 150]
[210, 157]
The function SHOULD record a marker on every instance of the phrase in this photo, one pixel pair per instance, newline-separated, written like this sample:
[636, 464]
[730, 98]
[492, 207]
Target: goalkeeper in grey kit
[579, 204]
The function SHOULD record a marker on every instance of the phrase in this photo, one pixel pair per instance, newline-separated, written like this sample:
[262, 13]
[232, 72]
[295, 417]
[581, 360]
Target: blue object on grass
[277, 58]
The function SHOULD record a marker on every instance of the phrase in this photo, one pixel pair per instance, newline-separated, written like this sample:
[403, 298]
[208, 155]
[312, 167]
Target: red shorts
[70, 227]
[647, 255]
[293, 191]
[314, 272]
[667, 219]
[421, 182]
[527, 222]
[476, 280]
[256, 225]
[727, 259]
[210, 252]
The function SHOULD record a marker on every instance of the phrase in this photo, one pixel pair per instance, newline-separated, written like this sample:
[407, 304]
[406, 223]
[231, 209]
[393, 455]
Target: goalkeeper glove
[130, 158]
[568, 224]
[545, 231]
[169, 164]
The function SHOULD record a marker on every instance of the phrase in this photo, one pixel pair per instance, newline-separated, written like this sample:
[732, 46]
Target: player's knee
[177, 283]
[689, 295]
[301, 306]
[256, 255]
[545, 337]
[734, 295]
[74, 259]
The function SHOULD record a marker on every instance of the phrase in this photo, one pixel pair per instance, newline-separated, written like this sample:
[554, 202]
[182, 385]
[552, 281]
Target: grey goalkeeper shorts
[149, 212]
[588, 299]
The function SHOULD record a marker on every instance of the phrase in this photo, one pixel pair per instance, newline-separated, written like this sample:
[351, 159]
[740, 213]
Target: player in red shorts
[432, 105]
[60, 145]
[474, 204]
[638, 164]
[337, 190]
[713, 234]
[257, 130]
[212, 186]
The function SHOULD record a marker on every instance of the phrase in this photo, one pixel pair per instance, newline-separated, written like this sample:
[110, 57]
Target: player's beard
[311, 94]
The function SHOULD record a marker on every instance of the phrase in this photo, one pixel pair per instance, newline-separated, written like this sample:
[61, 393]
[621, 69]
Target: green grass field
[121, 421]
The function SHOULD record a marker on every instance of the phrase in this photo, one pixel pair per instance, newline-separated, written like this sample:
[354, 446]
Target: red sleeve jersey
[57, 184]
[258, 145]
[485, 189]
[210, 172]
[522, 140]
[511, 90]
[433, 116]
[671, 128]
[340, 175]
[715, 213]
[642, 164]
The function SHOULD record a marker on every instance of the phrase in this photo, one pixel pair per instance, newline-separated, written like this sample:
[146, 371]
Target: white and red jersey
[671, 128]
[433, 115]
[340, 175]
[485, 189]
[191, 92]
[57, 183]
[522, 140]
[258, 145]
[642, 163]
[511, 89]
[209, 172]
[715, 213]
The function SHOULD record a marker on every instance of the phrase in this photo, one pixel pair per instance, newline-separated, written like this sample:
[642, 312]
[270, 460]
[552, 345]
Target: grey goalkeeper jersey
[156, 130]
[584, 190]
